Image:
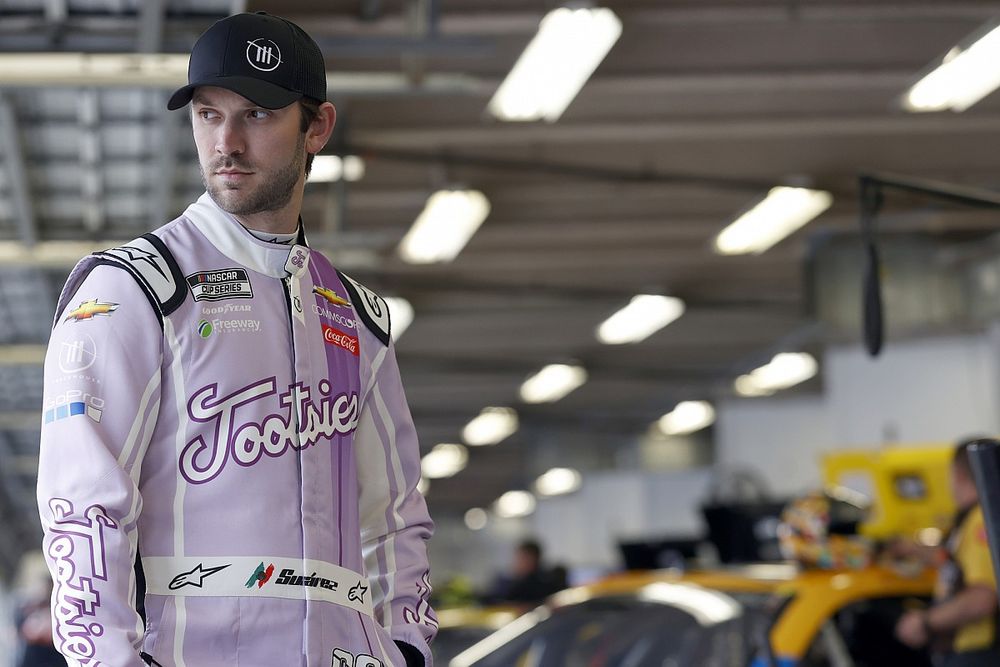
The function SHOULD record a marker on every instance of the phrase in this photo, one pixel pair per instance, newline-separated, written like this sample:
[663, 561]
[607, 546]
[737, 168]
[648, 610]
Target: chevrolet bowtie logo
[88, 309]
[330, 296]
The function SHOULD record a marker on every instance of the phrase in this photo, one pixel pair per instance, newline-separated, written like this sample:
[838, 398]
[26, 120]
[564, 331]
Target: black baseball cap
[267, 59]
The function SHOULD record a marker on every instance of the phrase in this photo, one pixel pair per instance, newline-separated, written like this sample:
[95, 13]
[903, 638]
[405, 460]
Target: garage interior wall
[919, 391]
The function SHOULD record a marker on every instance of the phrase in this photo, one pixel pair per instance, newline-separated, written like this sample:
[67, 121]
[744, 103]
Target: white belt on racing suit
[289, 578]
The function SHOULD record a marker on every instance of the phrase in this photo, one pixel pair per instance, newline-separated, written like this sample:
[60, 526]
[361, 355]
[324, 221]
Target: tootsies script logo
[246, 441]
[76, 598]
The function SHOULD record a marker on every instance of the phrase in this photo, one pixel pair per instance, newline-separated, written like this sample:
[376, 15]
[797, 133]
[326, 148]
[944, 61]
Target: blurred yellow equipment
[909, 487]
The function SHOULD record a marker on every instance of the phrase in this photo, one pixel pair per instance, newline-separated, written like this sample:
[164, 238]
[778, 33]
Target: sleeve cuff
[413, 656]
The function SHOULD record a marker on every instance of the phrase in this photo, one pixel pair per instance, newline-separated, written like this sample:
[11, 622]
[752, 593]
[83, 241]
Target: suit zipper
[286, 288]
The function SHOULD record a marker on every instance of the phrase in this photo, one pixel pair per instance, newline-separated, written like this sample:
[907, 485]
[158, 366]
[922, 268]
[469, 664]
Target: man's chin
[230, 200]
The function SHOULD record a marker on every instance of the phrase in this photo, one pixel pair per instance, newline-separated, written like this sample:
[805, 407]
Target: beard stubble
[273, 194]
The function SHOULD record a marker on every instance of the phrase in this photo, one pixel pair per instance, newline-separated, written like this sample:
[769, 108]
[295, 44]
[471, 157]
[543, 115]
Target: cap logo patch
[263, 54]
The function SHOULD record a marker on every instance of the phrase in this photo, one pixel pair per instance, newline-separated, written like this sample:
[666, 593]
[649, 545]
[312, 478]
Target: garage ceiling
[696, 112]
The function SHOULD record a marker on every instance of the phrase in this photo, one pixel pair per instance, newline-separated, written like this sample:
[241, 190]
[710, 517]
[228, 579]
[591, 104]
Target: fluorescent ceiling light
[444, 460]
[515, 504]
[552, 383]
[490, 427]
[149, 70]
[558, 481]
[783, 371]
[783, 211]
[964, 76]
[687, 417]
[476, 518]
[168, 71]
[423, 486]
[400, 315]
[24, 354]
[746, 387]
[568, 47]
[354, 168]
[446, 224]
[330, 168]
[644, 315]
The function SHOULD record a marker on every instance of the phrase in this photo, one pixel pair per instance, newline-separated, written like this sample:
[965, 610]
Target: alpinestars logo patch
[195, 577]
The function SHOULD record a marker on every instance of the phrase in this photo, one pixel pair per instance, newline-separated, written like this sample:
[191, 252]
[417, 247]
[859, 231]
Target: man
[529, 581]
[961, 624]
[223, 410]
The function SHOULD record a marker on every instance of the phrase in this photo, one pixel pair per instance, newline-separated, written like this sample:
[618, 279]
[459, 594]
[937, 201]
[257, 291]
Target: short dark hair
[531, 547]
[308, 111]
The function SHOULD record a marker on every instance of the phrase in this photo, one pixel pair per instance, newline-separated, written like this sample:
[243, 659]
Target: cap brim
[262, 93]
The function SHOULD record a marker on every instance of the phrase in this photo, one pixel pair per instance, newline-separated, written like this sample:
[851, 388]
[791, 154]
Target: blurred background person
[960, 626]
[529, 581]
[32, 590]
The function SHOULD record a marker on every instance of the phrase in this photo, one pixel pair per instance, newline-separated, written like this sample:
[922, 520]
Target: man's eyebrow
[200, 98]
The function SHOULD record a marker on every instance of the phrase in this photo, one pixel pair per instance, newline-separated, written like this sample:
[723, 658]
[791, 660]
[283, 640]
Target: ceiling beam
[17, 171]
[592, 172]
[687, 131]
[56, 14]
[150, 27]
[115, 30]
[22, 355]
[13, 72]
[370, 10]
[485, 23]
[169, 71]
[51, 254]
[755, 82]
[163, 185]
[91, 160]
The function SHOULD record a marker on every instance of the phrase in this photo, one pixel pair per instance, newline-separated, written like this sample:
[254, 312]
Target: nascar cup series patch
[222, 284]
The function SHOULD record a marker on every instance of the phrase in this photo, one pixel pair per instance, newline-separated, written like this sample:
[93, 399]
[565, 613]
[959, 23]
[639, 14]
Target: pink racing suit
[228, 466]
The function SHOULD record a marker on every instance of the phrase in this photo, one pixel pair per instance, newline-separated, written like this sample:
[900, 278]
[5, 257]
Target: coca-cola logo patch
[340, 339]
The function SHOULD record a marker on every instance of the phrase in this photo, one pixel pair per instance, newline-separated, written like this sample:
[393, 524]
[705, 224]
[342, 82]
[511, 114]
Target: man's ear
[321, 128]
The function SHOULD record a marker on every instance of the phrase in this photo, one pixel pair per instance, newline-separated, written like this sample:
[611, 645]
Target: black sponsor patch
[221, 284]
[370, 307]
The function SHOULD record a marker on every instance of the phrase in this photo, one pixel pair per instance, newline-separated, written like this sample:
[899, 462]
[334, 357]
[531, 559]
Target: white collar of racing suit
[235, 242]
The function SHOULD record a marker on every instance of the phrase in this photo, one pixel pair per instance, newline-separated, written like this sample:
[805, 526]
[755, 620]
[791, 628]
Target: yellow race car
[837, 607]
[754, 616]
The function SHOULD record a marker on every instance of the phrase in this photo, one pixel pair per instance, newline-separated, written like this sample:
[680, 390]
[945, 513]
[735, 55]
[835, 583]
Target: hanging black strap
[870, 194]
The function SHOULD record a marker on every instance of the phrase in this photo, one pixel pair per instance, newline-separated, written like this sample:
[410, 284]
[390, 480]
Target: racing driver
[228, 466]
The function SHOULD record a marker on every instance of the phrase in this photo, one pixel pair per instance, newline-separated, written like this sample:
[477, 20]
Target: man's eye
[259, 114]
[208, 114]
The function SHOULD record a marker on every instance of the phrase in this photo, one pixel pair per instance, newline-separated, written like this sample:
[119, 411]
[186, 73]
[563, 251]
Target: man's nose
[229, 140]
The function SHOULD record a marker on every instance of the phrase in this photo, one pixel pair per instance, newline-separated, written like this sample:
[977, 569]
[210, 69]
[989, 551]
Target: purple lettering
[76, 597]
[304, 423]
